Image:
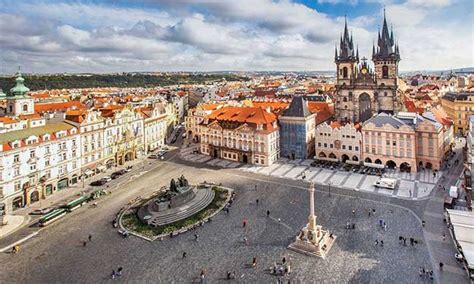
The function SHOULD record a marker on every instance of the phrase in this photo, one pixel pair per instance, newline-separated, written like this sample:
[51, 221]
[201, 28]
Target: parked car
[313, 164]
[153, 156]
[122, 171]
[128, 168]
[115, 175]
[106, 178]
[42, 211]
[98, 182]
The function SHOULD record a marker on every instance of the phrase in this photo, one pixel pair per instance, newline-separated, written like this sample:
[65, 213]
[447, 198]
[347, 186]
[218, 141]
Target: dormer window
[46, 137]
[259, 126]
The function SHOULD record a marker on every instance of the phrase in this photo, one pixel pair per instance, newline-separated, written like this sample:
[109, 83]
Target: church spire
[346, 50]
[386, 48]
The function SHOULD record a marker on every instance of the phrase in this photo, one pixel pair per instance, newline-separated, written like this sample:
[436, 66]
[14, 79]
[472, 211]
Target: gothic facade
[362, 91]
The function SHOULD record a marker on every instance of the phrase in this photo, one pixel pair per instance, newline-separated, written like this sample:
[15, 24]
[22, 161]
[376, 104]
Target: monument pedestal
[313, 244]
[312, 239]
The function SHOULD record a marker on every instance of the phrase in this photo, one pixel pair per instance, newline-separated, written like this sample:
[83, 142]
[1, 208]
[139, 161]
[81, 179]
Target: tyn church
[361, 91]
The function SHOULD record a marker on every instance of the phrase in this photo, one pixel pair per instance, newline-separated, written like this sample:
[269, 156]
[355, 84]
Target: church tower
[386, 57]
[346, 58]
[18, 102]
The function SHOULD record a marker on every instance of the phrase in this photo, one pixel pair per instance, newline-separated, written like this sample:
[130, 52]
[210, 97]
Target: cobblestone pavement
[57, 254]
[411, 185]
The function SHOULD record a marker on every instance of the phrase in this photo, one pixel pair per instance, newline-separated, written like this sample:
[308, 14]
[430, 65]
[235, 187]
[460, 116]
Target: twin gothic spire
[386, 48]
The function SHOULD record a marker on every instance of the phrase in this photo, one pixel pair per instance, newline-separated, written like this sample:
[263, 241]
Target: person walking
[441, 266]
[268, 213]
[84, 243]
[256, 202]
[196, 237]
[283, 260]
[113, 275]
[202, 276]
[184, 254]
[444, 236]
[119, 271]
[381, 243]
[244, 223]
[376, 242]
[254, 262]
[90, 237]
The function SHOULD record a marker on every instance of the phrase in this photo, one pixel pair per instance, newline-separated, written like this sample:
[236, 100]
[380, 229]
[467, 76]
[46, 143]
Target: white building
[340, 142]
[35, 163]
[155, 126]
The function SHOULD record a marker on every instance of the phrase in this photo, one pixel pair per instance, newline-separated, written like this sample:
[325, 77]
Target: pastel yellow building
[459, 106]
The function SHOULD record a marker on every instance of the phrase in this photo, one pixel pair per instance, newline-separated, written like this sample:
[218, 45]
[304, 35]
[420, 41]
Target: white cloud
[225, 35]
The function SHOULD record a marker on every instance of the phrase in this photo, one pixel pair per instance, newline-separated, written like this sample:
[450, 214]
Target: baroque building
[362, 91]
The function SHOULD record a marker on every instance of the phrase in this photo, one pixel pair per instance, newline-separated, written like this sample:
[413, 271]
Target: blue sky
[208, 35]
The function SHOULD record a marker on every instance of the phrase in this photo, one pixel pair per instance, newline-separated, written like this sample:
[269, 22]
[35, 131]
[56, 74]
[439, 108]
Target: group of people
[403, 240]
[383, 224]
[281, 269]
[426, 273]
[117, 273]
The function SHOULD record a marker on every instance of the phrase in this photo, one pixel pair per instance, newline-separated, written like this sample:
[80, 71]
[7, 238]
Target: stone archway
[391, 164]
[322, 155]
[368, 160]
[34, 196]
[429, 165]
[365, 107]
[17, 202]
[355, 158]
[344, 158]
[378, 161]
[332, 156]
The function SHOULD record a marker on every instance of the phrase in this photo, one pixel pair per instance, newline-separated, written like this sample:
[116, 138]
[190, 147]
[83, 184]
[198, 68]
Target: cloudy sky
[210, 35]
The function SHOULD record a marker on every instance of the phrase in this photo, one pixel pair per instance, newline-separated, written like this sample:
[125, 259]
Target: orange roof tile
[45, 107]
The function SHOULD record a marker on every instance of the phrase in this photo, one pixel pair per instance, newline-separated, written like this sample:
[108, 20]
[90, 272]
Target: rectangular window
[17, 186]
[16, 158]
[387, 142]
[32, 154]
[17, 172]
[350, 148]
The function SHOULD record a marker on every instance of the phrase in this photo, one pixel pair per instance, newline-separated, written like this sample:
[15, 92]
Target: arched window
[344, 99]
[385, 71]
[25, 107]
[344, 72]
[350, 96]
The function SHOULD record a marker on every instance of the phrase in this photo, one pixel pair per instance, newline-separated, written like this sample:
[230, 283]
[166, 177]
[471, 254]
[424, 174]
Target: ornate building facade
[362, 91]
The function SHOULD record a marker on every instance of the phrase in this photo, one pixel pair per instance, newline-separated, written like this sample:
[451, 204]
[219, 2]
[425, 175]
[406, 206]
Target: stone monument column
[311, 217]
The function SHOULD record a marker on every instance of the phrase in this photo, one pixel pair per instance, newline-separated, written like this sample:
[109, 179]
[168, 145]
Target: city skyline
[115, 36]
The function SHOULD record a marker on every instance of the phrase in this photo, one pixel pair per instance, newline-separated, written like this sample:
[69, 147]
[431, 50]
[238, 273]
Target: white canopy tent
[462, 223]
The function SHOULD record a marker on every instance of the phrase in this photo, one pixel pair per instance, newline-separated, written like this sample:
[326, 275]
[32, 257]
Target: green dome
[20, 89]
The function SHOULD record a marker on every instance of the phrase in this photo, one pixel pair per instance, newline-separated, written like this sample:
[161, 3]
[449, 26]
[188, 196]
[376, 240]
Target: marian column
[312, 239]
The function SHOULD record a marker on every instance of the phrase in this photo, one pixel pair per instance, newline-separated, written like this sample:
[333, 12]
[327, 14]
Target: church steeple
[386, 48]
[346, 46]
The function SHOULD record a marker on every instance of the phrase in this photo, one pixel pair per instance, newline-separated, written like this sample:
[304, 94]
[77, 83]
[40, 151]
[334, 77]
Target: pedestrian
[369, 212]
[202, 275]
[84, 243]
[254, 262]
[256, 201]
[119, 271]
[412, 241]
[441, 266]
[381, 243]
[268, 213]
[184, 254]
[244, 223]
[423, 223]
[400, 239]
[90, 237]
[376, 242]
[385, 227]
[444, 236]
[380, 222]
[353, 212]
[113, 274]
[404, 241]
[283, 260]
[421, 271]
[196, 237]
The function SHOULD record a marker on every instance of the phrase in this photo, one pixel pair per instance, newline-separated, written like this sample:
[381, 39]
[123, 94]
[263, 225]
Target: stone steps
[195, 207]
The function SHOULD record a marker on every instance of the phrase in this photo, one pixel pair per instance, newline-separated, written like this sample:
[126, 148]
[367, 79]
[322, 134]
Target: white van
[453, 191]
[389, 183]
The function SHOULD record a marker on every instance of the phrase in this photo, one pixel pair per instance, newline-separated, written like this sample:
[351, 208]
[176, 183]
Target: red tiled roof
[45, 107]
[249, 115]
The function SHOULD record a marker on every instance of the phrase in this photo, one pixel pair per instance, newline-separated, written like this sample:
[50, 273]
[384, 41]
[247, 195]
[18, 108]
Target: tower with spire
[360, 91]
[18, 102]
[386, 55]
[346, 57]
